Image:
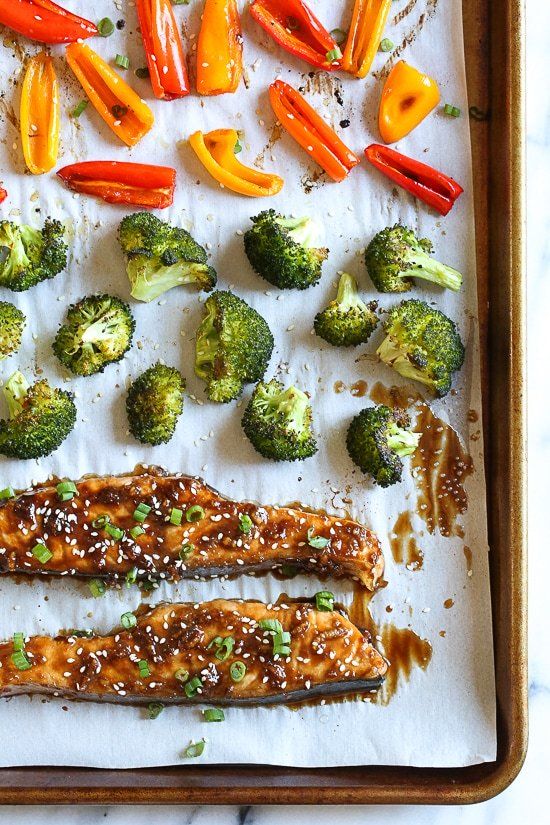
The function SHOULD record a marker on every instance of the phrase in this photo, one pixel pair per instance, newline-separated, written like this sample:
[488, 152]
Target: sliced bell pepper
[364, 36]
[138, 184]
[3, 195]
[408, 97]
[39, 115]
[311, 131]
[44, 21]
[216, 151]
[163, 49]
[219, 48]
[296, 29]
[434, 188]
[120, 107]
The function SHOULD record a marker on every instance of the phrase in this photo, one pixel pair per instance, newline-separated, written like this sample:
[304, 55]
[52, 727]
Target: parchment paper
[444, 716]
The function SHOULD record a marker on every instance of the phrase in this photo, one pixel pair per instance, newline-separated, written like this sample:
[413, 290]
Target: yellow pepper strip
[39, 115]
[219, 48]
[407, 97]
[216, 151]
[365, 33]
[121, 108]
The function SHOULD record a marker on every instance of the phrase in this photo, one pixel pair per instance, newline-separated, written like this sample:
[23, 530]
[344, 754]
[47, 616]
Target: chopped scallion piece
[19, 659]
[181, 675]
[271, 625]
[122, 61]
[224, 647]
[141, 512]
[316, 541]
[339, 35]
[451, 110]
[80, 634]
[41, 552]
[213, 715]
[186, 550]
[237, 671]
[334, 54]
[237, 148]
[386, 45]
[79, 108]
[115, 532]
[18, 642]
[154, 709]
[142, 72]
[143, 669]
[324, 601]
[194, 749]
[245, 523]
[176, 516]
[97, 588]
[66, 490]
[193, 686]
[131, 576]
[128, 620]
[7, 492]
[194, 513]
[105, 27]
[101, 521]
[137, 531]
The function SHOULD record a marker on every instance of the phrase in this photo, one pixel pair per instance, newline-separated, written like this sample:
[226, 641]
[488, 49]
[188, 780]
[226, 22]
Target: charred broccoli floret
[278, 422]
[12, 324]
[29, 256]
[423, 344]
[40, 418]
[233, 346]
[395, 256]
[98, 331]
[284, 251]
[160, 257]
[346, 321]
[154, 404]
[377, 439]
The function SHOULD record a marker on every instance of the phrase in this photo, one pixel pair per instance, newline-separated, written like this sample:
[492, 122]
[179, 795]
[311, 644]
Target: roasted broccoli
[98, 331]
[41, 418]
[423, 344]
[284, 251]
[28, 256]
[12, 324]
[154, 404]
[346, 321]
[377, 440]
[160, 256]
[233, 346]
[278, 422]
[395, 256]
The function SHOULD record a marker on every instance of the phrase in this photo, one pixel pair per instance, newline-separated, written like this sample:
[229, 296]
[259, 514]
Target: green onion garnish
[237, 148]
[80, 634]
[281, 643]
[143, 669]
[182, 675]
[142, 72]
[101, 521]
[7, 492]
[324, 601]
[137, 531]
[41, 552]
[213, 715]
[97, 588]
[122, 61]
[154, 709]
[141, 512]
[271, 625]
[334, 54]
[194, 513]
[194, 749]
[18, 642]
[237, 671]
[176, 516]
[79, 108]
[245, 523]
[224, 647]
[128, 620]
[105, 27]
[339, 35]
[192, 687]
[115, 532]
[131, 576]
[19, 659]
[66, 490]
[386, 45]
[186, 550]
[316, 541]
[451, 110]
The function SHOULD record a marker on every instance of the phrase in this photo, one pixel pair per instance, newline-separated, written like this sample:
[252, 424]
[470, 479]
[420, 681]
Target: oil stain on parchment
[410, 37]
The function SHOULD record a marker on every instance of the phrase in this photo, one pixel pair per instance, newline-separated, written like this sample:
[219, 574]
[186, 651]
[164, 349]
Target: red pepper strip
[44, 21]
[138, 184]
[433, 187]
[3, 194]
[311, 131]
[163, 49]
[294, 27]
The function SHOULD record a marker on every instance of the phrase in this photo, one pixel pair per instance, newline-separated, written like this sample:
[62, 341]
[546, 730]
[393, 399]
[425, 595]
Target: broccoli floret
[377, 439]
[12, 324]
[346, 321]
[233, 346]
[284, 251]
[29, 256]
[422, 344]
[278, 422]
[395, 256]
[154, 404]
[98, 331]
[41, 418]
[160, 257]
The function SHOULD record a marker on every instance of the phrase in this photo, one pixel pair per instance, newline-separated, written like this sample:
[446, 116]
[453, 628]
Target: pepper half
[39, 114]
[219, 48]
[365, 32]
[3, 195]
[312, 132]
[216, 151]
[434, 188]
[163, 49]
[121, 108]
[296, 29]
[44, 21]
[138, 184]
[408, 97]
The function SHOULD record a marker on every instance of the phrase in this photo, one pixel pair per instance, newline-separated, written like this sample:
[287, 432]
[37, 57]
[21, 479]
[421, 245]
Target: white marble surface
[525, 798]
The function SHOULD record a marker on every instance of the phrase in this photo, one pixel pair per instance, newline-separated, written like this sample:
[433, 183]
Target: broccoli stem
[391, 355]
[303, 231]
[427, 268]
[402, 442]
[348, 294]
[15, 391]
[208, 342]
[292, 405]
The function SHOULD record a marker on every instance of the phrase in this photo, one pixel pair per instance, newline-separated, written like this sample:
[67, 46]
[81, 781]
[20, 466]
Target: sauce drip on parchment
[403, 544]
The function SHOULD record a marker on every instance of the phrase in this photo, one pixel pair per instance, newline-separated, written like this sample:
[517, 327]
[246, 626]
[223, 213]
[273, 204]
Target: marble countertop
[524, 796]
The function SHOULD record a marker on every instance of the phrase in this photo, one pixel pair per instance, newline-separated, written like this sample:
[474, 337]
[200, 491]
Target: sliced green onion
[213, 715]
[237, 671]
[122, 61]
[80, 634]
[451, 110]
[101, 521]
[194, 749]
[271, 625]
[41, 552]
[176, 516]
[105, 27]
[19, 659]
[194, 513]
[324, 601]
[339, 35]
[237, 148]
[281, 650]
[131, 576]
[115, 532]
[186, 550]
[334, 54]
[66, 490]
[224, 647]
[79, 108]
[245, 523]
[97, 588]
[137, 531]
[7, 492]
[18, 642]
[180, 2]
[182, 675]
[128, 620]
[192, 687]
[386, 45]
[316, 541]
[154, 709]
[141, 512]
[143, 668]
[142, 72]
[281, 638]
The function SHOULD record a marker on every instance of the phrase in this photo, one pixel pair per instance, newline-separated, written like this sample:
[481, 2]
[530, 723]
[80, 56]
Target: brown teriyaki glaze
[359, 389]
[404, 547]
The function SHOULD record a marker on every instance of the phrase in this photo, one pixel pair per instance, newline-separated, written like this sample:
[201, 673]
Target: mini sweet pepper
[39, 114]
[219, 48]
[364, 36]
[408, 97]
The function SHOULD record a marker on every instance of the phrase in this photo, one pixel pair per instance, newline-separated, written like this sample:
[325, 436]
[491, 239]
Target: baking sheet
[441, 717]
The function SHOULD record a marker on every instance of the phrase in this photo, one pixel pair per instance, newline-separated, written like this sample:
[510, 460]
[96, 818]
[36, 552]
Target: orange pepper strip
[163, 49]
[39, 115]
[365, 32]
[121, 108]
[216, 151]
[219, 48]
[408, 97]
[311, 131]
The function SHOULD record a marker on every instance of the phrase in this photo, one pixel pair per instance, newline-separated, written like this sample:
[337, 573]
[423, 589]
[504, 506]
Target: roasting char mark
[279, 535]
[329, 655]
